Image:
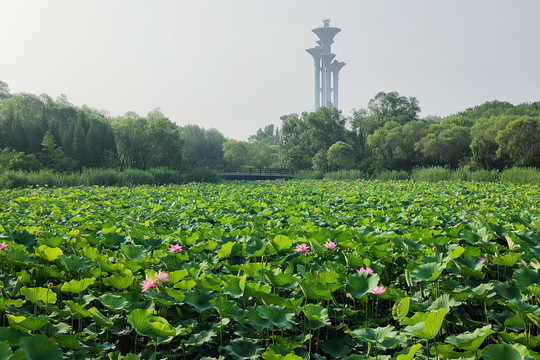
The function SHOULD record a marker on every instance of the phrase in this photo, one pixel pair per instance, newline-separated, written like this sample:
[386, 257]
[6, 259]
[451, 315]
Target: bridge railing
[251, 170]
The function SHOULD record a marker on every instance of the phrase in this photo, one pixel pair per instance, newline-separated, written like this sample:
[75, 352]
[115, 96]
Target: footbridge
[248, 173]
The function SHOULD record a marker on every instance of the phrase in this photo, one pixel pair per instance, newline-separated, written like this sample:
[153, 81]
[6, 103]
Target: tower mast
[326, 71]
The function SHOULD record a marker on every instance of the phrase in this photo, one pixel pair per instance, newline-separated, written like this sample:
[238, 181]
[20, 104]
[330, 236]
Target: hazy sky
[238, 65]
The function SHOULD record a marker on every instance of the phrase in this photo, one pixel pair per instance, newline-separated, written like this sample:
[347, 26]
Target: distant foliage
[308, 175]
[432, 174]
[346, 175]
[203, 175]
[521, 176]
[392, 175]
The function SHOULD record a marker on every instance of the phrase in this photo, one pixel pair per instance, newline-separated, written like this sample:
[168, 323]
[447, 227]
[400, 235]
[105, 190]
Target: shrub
[392, 175]
[432, 174]
[102, 177]
[137, 177]
[521, 175]
[308, 174]
[484, 175]
[346, 175]
[203, 175]
[166, 176]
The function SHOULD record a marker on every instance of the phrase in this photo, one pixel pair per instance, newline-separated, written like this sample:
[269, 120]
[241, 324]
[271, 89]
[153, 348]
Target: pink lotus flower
[162, 276]
[483, 259]
[366, 270]
[175, 248]
[330, 245]
[302, 248]
[149, 284]
[3, 246]
[378, 290]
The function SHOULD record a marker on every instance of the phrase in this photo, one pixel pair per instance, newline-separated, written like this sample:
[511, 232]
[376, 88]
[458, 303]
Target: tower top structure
[326, 71]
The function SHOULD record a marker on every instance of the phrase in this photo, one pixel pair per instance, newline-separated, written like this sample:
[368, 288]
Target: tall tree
[520, 141]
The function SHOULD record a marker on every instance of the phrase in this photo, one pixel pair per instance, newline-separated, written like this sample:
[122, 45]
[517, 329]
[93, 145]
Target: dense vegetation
[39, 132]
[278, 270]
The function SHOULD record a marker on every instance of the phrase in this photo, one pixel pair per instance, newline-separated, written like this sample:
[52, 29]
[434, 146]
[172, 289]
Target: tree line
[390, 135]
[40, 132]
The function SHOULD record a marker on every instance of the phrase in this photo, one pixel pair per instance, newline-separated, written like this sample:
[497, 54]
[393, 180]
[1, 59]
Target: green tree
[164, 141]
[53, 156]
[446, 145]
[202, 148]
[268, 135]
[17, 160]
[4, 91]
[393, 145]
[391, 106]
[520, 141]
[303, 137]
[236, 153]
[341, 156]
[484, 146]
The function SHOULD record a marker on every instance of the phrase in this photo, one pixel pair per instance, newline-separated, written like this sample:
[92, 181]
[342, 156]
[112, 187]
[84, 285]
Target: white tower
[326, 71]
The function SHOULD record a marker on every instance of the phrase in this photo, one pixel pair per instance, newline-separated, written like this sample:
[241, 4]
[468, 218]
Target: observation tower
[326, 70]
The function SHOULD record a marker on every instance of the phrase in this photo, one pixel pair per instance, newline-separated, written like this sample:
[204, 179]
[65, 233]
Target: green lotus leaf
[400, 310]
[281, 242]
[520, 338]
[79, 310]
[270, 354]
[524, 277]
[255, 288]
[229, 249]
[427, 272]
[68, 341]
[314, 291]
[359, 285]
[337, 348]
[507, 290]
[140, 320]
[482, 291]
[316, 315]
[5, 350]
[428, 328]
[470, 340]
[377, 335]
[161, 327]
[501, 352]
[118, 282]
[99, 318]
[78, 286]
[11, 336]
[408, 353]
[225, 308]
[19, 257]
[279, 317]
[186, 285]
[23, 237]
[443, 301]
[199, 299]
[113, 302]
[133, 252]
[27, 324]
[40, 347]
[253, 317]
[75, 263]
[176, 276]
[241, 349]
[47, 253]
[508, 259]
[201, 338]
[35, 295]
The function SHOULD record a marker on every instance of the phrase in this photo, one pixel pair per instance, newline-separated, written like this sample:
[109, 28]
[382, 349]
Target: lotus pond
[272, 270]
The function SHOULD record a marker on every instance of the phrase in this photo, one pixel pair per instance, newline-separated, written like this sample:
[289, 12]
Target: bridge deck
[256, 174]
